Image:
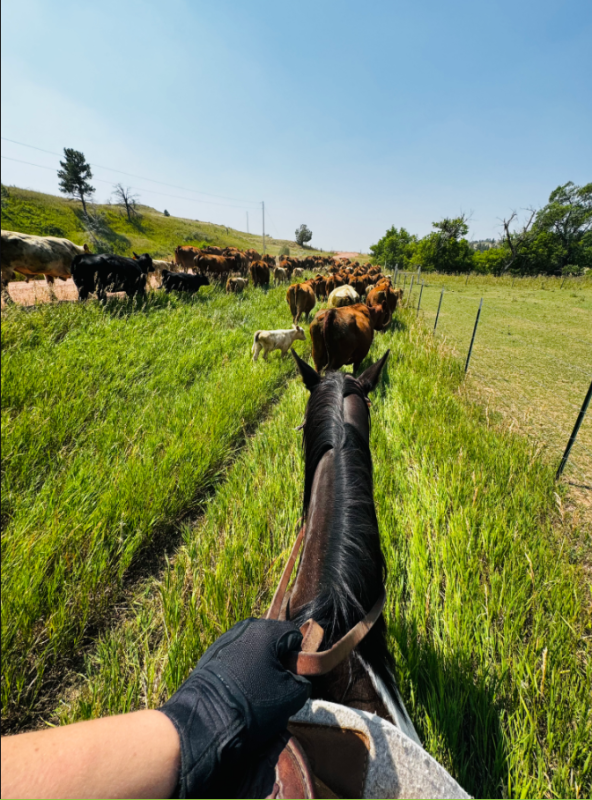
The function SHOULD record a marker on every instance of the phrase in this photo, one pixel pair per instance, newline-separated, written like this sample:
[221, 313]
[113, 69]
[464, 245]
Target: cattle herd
[360, 299]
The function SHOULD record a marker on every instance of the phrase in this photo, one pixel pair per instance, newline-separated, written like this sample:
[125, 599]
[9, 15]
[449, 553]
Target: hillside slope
[47, 215]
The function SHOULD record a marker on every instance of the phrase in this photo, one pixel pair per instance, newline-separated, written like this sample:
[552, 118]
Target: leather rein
[308, 661]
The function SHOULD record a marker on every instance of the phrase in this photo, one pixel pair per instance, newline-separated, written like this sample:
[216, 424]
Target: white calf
[276, 340]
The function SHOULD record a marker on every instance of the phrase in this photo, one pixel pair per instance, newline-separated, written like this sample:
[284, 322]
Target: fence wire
[538, 377]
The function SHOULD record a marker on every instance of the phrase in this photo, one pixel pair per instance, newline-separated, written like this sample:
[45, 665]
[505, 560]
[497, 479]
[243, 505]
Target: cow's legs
[5, 296]
[256, 350]
[50, 281]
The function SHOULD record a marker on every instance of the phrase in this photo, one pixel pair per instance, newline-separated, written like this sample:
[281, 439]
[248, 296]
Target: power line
[130, 174]
[137, 188]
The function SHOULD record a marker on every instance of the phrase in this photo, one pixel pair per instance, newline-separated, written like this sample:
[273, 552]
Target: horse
[354, 737]
[342, 571]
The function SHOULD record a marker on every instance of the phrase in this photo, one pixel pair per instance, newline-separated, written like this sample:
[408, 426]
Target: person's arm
[238, 697]
[130, 755]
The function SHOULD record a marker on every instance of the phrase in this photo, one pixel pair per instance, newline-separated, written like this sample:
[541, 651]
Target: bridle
[308, 661]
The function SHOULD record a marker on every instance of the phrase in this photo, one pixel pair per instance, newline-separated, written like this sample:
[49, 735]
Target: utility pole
[263, 218]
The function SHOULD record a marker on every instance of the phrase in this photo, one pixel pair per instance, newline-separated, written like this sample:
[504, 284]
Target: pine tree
[74, 176]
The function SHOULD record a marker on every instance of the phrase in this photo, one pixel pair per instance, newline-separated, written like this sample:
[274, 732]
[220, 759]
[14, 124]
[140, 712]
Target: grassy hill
[47, 215]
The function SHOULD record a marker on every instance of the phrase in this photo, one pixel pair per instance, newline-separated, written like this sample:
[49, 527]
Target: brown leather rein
[308, 661]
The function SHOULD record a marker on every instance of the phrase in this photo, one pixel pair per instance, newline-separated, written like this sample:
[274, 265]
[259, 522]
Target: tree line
[554, 240]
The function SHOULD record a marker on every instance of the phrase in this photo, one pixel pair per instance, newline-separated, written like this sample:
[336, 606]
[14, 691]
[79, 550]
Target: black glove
[238, 697]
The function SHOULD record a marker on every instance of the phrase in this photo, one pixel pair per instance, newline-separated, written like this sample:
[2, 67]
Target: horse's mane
[353, 571]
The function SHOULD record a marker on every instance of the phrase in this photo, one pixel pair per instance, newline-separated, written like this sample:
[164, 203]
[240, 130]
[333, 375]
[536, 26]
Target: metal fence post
[473, 337]
[420, 294]
[438, 311]
[404, 285]
[410, 289]
[574, 433]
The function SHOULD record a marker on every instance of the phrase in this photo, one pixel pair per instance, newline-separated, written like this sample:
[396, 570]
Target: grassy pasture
[487, 617]
[115, 424]
[532, 358]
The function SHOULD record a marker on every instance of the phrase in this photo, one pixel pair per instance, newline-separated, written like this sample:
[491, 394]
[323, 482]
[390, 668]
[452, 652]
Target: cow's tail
[256, 337]
[293, 304]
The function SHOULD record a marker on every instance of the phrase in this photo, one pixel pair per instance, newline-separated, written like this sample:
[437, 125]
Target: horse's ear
[370, 377]
[308, 374]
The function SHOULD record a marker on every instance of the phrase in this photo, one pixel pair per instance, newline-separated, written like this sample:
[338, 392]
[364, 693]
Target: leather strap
[313, 663]
[308, 661]
[280, 593]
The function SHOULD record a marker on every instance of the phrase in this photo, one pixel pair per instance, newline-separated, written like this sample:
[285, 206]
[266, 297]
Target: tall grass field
[152, 486]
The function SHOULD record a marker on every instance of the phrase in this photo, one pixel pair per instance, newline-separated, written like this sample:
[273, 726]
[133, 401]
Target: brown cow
[217, 266]
[185, 255]
[252, 255]
[212, 250]
[270, 260]
[343, 336]
[319, 287]
[301, 299]
[259, 273]
[332, 282]
[384, 293]
[236, 285]
[359, 283]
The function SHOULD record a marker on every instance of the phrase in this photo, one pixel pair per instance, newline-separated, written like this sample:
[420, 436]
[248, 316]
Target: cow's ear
[310, 378]
[368, 380]
[135, 255]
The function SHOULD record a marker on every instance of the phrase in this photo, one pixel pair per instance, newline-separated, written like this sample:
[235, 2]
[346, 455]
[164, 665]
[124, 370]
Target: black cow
[103, 273]
[182, 282]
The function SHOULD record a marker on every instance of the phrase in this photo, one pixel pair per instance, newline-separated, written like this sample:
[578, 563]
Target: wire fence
[527, 347]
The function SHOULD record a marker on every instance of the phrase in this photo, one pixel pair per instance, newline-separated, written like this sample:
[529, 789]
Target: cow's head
[299, 333]
[144, 262]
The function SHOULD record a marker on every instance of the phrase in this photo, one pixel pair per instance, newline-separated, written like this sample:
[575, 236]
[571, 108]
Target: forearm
[132, 755]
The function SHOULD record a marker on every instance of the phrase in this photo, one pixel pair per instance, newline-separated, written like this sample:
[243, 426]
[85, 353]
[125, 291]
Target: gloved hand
[238, 697]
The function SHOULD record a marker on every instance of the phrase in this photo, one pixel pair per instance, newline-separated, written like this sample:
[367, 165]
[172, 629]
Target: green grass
[481, 592]
[115, 423]
[47, 215]
[532, 358]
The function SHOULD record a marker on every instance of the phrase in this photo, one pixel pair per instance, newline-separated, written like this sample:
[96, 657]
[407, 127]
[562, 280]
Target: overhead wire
[137, 188]
[131, 174]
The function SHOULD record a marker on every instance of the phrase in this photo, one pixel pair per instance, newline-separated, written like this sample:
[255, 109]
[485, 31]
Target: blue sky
[347, 116]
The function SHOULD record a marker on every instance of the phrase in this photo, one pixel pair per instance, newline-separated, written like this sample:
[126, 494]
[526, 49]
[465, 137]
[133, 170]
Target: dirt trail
[35, 292]
[353, 256]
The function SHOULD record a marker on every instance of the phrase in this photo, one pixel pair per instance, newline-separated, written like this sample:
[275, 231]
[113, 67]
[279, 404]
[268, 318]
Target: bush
[572, 269]
[490, 262]
[284, 250]
[166, 213]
